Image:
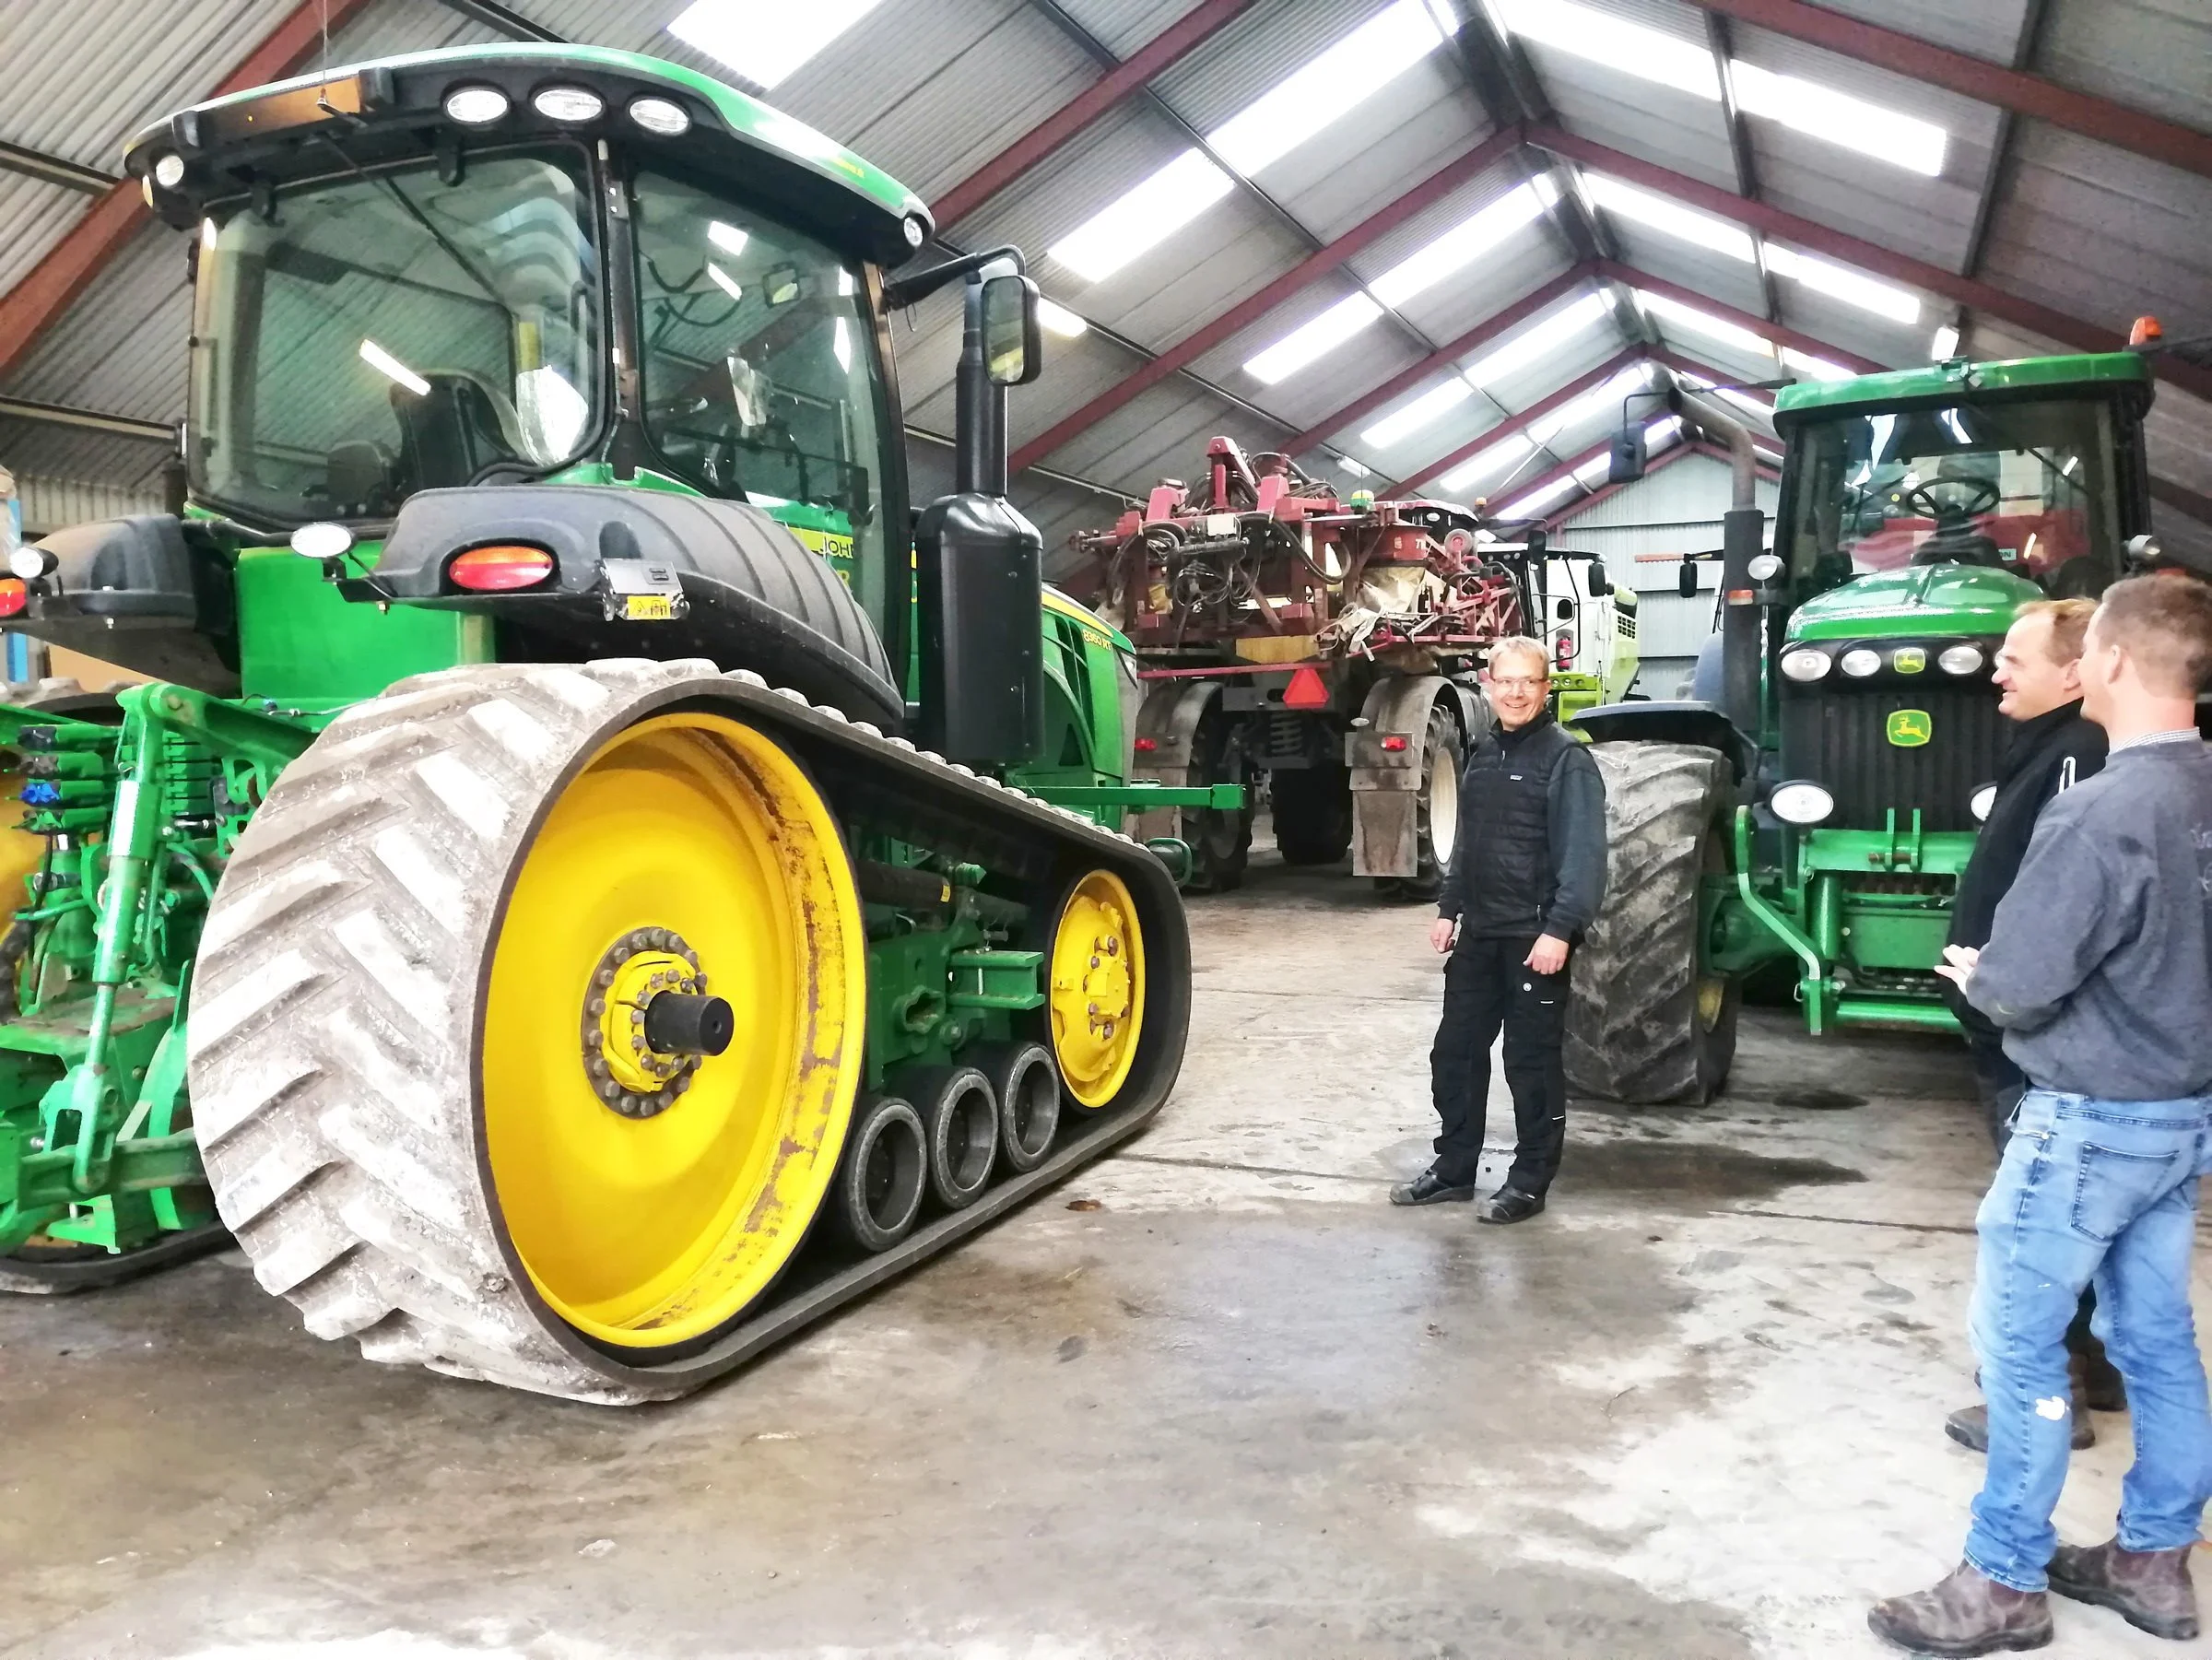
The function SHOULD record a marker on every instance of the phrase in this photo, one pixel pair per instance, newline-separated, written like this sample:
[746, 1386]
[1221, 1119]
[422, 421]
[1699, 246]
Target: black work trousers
[2000, 1085]
[1489, 987]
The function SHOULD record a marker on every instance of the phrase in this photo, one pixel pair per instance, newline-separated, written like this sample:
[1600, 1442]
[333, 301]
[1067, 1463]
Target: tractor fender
[1386, 784]
[1170, 717]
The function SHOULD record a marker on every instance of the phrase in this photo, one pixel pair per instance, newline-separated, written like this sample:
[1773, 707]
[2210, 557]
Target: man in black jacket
[1524, 883]
[2053, 748]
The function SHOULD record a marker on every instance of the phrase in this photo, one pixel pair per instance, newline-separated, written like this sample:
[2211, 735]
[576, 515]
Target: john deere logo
[1909, 729]
[1908, 660]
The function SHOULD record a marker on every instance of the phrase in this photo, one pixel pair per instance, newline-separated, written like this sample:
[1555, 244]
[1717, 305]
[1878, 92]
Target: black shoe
[1969, 1428]
[1428, 1188]
[1511, 1204]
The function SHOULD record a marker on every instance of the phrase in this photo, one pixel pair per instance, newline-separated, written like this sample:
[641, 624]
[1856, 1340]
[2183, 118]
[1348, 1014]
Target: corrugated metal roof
[1984, 29]
[37, 214]
[2149, 54]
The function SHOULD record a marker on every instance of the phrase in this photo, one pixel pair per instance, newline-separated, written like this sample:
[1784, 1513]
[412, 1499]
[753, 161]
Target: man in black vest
[2053, 748]
[1525, 881]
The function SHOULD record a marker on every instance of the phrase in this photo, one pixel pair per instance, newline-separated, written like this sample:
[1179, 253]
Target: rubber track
[1631, 1024]
[337, 1001]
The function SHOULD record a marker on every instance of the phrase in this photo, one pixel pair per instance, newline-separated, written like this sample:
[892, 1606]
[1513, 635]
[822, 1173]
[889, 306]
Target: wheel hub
[648, 1022]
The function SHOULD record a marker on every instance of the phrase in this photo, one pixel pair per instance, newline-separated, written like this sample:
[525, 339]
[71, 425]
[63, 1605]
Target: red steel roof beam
[1779, 334]
[37, 302]
[2008, 88]
[1444, 356]
[1319, 264]
[1412, 483]
[1885, 262]
[1165, 50]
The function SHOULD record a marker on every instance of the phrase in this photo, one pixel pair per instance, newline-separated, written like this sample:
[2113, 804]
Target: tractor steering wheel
[1953, 514]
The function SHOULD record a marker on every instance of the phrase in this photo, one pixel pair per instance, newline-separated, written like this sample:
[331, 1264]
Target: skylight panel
[1648, 53]
[1310, 341]
[1945, 344]
[1142, 218]
[1530, 505]
[1741, 399]
[766, 43]
[1489, 462]
[1480, 233]
[1403, 423]
[1820, 368]
[1670, 216]
[1706, 324]
[1339, 80]
[1059, 319]
[1902, 140]
[1884, 299]
[1539, 340]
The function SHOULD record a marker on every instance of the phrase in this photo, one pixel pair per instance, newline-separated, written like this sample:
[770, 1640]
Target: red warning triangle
[1306, 691]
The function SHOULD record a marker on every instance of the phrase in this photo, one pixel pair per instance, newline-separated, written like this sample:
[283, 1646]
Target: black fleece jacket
[1567, 888]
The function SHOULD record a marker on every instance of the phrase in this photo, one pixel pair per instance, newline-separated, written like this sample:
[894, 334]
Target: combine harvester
[516, 910]
[1333, 647]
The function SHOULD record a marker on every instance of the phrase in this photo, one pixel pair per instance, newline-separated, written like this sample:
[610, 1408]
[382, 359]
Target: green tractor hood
[1922, 600]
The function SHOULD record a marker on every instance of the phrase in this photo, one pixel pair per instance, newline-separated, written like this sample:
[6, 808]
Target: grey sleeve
[1578, 843]
[2072, 905]
[1452, 895]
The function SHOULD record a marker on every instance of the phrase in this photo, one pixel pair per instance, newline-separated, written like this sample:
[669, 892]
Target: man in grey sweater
[2098, 971]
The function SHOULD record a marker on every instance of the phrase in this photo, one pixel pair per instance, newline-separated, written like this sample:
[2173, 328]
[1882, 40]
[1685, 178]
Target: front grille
[1836, 735]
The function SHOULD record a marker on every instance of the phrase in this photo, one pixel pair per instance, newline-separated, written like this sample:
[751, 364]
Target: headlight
[1860, 662]
[1806, 663]
[1801, 803]
[570, 105]
[476, 106]
[662, 117]
[1959, 659]
[1981, 801]
[1763, 568]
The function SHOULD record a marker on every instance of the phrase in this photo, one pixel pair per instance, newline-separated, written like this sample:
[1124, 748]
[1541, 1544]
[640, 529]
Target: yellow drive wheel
[658, 1158]
[1097, 993]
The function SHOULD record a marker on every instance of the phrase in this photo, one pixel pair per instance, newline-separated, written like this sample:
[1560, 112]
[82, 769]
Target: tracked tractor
[1330, 644]
[595, 882]
[1815, 803]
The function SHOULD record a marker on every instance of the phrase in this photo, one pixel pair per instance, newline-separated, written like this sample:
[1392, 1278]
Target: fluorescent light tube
[1901, 140]
[1494, 459]
[1706, 324]
[1143, 216]
[1480, 233]
[1539, 339]
[1672, 217]
[765, 43]
[384, 363]
[1884, 299]
[1059, 319]
[1413, 417]
[1686, 65]
[1820, 368]
[1333, 84]
[1310, 341]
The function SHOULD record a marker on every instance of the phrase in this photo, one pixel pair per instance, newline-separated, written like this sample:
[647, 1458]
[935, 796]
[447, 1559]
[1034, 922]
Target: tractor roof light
[168, 171]
[1959, 659]
[476, 106]
[31, 562]
[1806, 663]
[501, 569]
[571, 106]
[1763, 568]
[1981, 801]
[662, 117]
[1860, 662]
[1801, 802]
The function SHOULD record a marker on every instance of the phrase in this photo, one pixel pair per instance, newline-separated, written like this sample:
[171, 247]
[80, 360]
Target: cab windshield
[2021, 486]
[365, 336]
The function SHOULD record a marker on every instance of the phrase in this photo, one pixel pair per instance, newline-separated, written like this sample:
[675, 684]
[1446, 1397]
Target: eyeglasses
[1521, 682]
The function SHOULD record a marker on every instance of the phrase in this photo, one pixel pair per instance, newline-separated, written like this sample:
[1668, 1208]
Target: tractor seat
[455, 430]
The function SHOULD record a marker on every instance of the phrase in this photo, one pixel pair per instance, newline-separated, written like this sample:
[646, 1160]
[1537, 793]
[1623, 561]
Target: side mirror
[1686, 580]
[1627, 464]
[1013, 341]
[1599, 581]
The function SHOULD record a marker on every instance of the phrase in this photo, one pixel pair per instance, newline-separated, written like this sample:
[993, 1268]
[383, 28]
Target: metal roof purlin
[2000, 144]
[1431, 190]
[1739, 149]
[504, 20]
[29, 308]
[1168, 47]
[2013, 89]
[1413, 482]
[54, 169]
[1887, 262]
[1445, 357]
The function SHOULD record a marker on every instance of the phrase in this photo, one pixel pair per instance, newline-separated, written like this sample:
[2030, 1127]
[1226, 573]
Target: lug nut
[1110, 1029]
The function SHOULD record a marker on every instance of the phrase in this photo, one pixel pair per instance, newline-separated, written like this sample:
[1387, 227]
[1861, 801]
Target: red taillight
[500, 569]
[1562, 652]
[1306, 691]
[1144, 745]
[1395, 743]
[14, 595]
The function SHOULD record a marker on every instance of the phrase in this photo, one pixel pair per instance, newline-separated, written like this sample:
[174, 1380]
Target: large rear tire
[1647, 1023]
[1220, 842]
[1312, 812]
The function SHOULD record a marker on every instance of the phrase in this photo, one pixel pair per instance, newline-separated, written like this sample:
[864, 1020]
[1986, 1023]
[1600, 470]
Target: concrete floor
[1215, 1398]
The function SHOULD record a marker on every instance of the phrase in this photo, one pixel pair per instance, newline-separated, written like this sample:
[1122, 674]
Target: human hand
[1442, 931]
[1547, 956]
[1958, 964]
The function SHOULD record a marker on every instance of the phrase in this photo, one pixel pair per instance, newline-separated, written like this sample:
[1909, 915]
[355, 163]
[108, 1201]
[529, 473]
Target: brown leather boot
[1970, 1425]
[1967, 1614]
[2149, 1589]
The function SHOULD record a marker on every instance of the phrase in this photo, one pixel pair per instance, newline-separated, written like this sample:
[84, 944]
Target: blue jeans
[2104, 1191]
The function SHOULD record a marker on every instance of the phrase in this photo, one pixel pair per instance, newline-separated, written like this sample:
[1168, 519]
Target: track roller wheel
[1097, 999]
[882, 1176]
[1028, 1087]
[527, 1025]
[959, 1122]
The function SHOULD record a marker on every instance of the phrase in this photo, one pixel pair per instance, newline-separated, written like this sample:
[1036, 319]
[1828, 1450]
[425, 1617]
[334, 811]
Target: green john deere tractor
[1815, 802]
[531, 910]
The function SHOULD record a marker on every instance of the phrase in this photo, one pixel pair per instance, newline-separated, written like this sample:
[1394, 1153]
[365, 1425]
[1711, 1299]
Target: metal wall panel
[52, 505]
[35, 449]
